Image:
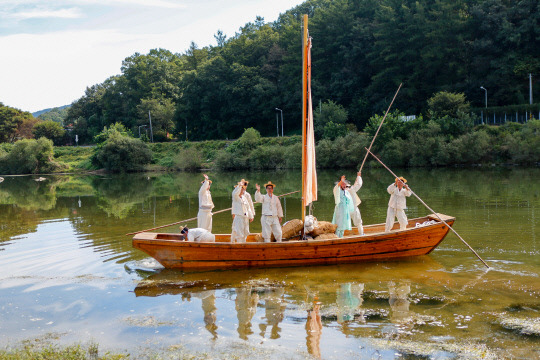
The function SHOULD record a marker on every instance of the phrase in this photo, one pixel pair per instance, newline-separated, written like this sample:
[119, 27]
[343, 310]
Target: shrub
[30, 156]
[524, 146]
[116, 128]
[249, 140]
[445, 103]
[120, 153]
[332, 130]
[225, 160]
[268, 157]
[50, 130]
[189, 159]
[471, 148]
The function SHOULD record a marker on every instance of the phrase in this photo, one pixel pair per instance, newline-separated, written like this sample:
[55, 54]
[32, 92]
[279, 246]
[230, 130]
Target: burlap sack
[291, 228]
[324, 227]
[326, 236]
[258, 237]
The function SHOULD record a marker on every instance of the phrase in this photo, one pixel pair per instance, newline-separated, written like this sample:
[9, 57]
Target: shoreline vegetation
[416, 143]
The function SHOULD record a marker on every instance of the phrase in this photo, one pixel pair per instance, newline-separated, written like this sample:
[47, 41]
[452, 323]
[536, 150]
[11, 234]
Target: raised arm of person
[258, 196]
[358, 183]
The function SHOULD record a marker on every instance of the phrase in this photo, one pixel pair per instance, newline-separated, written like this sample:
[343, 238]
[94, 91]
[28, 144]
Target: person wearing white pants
[204, 217]
[397, 204]
[272, 213]
[241, 213]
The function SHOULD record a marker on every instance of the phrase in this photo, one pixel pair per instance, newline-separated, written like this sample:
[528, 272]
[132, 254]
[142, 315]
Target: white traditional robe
[204, 217]
[270, 213]
[250, 203]
[396, 207]
[343, 210]
[242, 214]
[355, 215]
[200, 235]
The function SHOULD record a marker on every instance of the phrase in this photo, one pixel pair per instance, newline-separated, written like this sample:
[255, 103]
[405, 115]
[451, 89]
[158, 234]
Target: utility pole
[530, 89]
[151, 132]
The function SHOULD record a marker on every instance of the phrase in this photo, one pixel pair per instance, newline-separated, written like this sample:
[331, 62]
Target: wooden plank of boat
[172, 252]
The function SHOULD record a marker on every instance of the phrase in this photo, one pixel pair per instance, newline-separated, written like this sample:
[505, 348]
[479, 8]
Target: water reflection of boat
[376, 244]
[422, 270]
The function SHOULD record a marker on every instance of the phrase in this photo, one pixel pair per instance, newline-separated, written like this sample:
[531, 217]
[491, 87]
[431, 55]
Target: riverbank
[424, 145]
[419, 146]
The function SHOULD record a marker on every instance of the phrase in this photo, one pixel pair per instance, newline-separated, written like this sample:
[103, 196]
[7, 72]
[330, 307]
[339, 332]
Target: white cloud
[53, 68]
[72, 13]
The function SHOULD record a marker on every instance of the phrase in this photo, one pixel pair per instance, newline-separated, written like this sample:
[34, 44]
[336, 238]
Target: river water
[70, 275]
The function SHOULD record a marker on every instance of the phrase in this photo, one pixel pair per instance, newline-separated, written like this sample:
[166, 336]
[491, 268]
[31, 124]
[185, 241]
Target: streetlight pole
[483, 88]
[281, 121]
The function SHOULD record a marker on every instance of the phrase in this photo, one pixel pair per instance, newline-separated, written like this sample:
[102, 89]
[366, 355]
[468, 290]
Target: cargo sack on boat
[310, 223]
[292, 228]
[258, 237]
[324, 227]
[326, 236]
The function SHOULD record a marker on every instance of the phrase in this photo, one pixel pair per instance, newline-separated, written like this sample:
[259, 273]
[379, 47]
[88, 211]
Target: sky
[52, 50]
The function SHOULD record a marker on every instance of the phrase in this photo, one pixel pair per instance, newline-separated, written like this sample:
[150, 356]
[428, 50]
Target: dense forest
[362, 51]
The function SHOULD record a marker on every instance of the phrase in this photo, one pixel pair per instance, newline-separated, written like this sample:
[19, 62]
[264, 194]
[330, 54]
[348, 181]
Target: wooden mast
[304, 111]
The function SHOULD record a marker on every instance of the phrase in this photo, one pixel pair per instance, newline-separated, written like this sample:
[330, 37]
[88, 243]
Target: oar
[194, 218]
[379, 128]
[430, 209]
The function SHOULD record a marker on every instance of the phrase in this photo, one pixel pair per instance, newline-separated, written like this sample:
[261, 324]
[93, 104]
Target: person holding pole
[344, 207]
[204, 217]
[397, 204]
[355, 215]
[271, 213]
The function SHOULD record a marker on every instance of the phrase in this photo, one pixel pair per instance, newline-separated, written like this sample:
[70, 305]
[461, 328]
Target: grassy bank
[412, 145]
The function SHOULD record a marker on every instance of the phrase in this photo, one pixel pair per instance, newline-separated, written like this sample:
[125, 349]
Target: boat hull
[170, 251]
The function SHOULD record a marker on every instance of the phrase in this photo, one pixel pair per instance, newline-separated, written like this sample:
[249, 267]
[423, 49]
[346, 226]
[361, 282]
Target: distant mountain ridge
[37, 113]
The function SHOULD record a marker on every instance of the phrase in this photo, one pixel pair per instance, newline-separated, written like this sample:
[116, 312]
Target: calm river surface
[69, 274]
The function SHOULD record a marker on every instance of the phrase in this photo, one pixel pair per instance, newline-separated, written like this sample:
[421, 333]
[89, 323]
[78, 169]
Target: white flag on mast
[310, 178]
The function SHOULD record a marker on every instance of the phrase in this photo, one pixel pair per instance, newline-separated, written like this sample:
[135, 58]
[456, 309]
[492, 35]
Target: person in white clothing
[344, 207]
[204, 217]
[248, 197]
[271, 213]
[241, 213]
[397, 204]
[197, 234]
[355, 215]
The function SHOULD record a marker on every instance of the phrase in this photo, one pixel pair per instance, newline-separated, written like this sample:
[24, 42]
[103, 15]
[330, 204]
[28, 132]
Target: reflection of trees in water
[118, 195]
[24, 203]
[28, 194]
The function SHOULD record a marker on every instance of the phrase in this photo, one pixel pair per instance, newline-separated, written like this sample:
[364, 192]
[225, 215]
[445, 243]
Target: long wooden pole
[195, 218]
[379, 128]
[430, 209]
[304, 109]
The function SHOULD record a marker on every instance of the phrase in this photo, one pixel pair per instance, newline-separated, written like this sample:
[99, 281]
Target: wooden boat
[172, 252]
